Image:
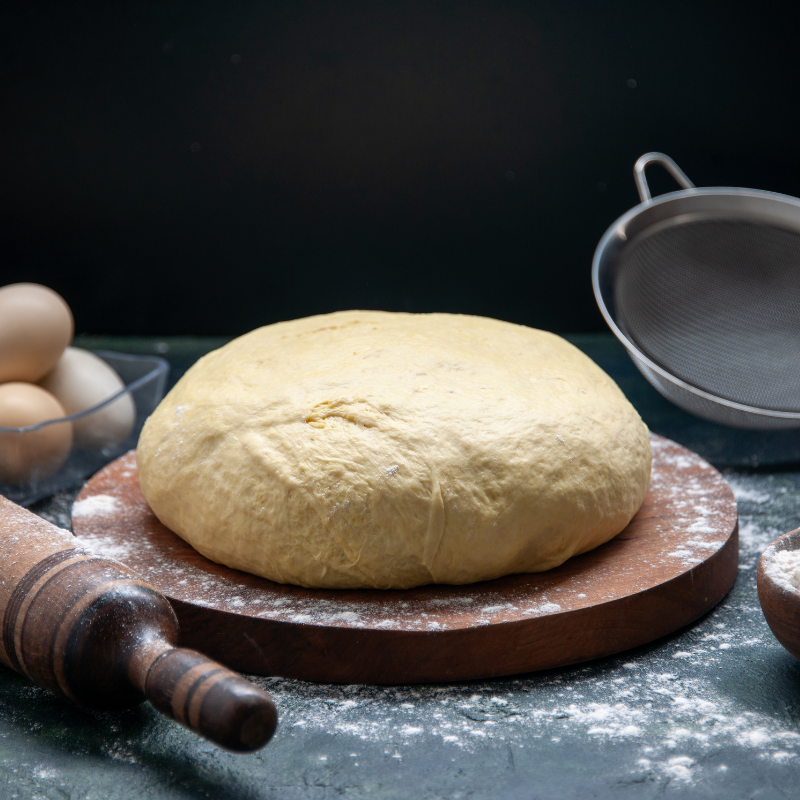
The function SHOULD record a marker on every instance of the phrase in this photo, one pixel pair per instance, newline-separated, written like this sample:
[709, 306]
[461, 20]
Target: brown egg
[35, 328]
[82, 380]
[31, 455]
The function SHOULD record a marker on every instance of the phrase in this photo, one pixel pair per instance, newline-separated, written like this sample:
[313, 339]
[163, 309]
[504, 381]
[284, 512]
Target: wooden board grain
[675, 561]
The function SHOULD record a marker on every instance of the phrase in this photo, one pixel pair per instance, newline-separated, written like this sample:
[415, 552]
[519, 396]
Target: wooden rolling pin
[87, 628]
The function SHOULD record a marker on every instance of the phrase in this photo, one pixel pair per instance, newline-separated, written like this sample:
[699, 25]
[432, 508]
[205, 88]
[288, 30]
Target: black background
[206, 168]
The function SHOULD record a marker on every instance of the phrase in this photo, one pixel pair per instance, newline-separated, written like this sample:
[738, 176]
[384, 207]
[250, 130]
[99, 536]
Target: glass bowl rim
[160, 367]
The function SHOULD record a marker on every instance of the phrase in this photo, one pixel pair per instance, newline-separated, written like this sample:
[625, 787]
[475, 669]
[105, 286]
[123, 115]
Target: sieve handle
[667, 163]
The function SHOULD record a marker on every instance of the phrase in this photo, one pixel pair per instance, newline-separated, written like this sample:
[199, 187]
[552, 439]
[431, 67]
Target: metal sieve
[702, 286]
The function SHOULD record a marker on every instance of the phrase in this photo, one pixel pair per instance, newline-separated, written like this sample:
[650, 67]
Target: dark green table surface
[712, 711]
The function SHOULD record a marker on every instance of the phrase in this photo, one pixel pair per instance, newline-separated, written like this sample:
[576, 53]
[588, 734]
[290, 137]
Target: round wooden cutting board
[675, 561]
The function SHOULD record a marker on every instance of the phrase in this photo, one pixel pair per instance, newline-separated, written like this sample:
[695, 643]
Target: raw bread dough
[371, 449]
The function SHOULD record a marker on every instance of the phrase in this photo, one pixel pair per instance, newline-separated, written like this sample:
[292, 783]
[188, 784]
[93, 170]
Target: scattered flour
[754, 536]
[96, 505]
[675, 722]
[744, 493]
[45, 773]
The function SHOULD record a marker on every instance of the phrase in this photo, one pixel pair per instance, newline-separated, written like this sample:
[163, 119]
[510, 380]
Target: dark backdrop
[208, 167]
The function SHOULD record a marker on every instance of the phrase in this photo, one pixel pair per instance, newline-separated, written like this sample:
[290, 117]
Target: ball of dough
[370, 449]
[82, 380]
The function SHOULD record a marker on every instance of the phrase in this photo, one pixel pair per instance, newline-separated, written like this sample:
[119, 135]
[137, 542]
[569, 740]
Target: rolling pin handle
[209, 699]
[87, 628]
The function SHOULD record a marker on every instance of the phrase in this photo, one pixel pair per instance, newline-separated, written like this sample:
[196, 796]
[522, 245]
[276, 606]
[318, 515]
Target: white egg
[82, 380]
[31, 455]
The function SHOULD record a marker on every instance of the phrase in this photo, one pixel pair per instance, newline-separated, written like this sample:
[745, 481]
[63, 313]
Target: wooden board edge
[338, 655]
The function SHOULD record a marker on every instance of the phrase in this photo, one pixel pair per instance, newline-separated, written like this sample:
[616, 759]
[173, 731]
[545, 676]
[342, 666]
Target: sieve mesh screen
[717, 304]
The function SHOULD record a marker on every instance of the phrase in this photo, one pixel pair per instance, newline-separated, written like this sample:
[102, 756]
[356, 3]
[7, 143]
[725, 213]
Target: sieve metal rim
[623, 232]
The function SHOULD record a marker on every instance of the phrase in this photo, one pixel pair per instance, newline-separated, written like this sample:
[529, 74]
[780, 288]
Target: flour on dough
[372, 449]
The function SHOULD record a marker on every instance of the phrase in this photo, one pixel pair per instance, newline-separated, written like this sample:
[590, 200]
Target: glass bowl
[144, 377]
